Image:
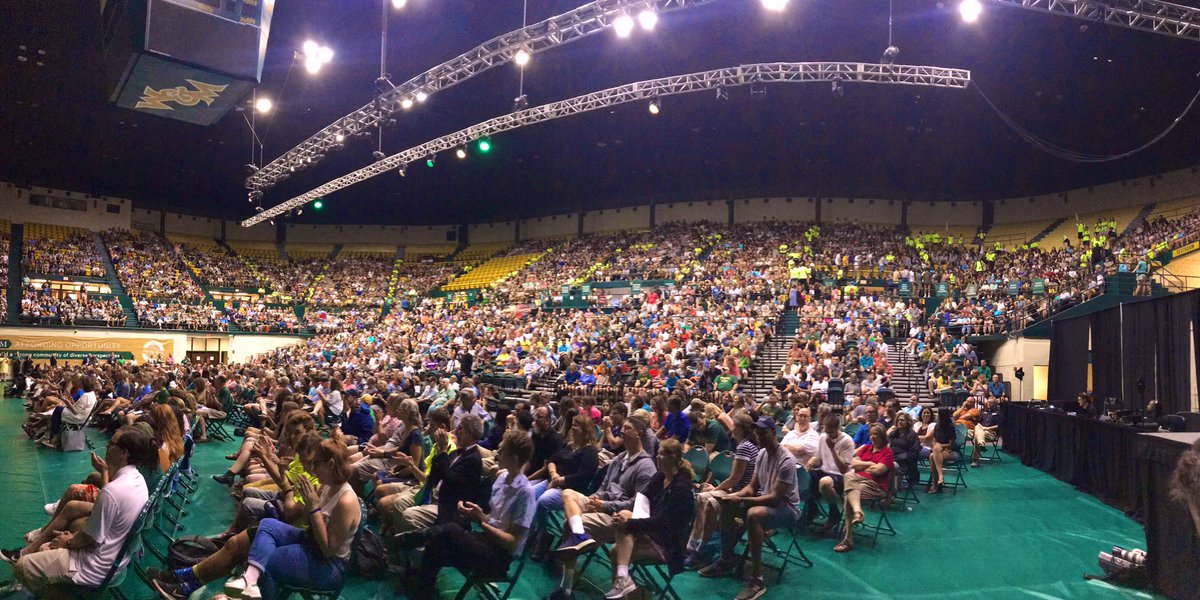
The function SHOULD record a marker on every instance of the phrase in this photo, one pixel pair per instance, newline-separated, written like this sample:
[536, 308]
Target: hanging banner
[943, 289]
[972, 291]
[1039, 286]
[905, 288]
[79, 348]
[1014, 288]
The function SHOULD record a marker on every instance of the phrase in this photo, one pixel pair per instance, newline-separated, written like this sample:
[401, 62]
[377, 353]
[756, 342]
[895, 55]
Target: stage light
[263, 105]
[648, 19]
[889, 55]
[325, 54]
[406, 103]
[316, 56]
[378, 155]
[521, 57]
[461, 153]
[310, 47]
[398, 4]
[722, 94]
[838, 90]
[318, 205]
[484, 145]
[520, 103]
[299, 211]
[970, 10]
[339, 138]
[422, 96]
[403, 170]
[623, 25]
[430, 161]
[655, 106]
[775, 5]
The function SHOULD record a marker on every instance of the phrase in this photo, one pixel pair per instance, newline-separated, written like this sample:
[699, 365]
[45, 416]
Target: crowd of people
[72, 254]
[360, 282]
[147, 267]
[43, 305]
[263, 318]
[177, 314]
[217, 267]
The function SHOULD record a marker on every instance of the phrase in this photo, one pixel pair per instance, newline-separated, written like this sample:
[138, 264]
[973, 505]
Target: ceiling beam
[840, 72]
[1153, 16]
[562, 29]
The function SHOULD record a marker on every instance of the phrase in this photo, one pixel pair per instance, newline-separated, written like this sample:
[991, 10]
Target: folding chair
[698, 457]
[792, 554]
[884, 524]
[655, 578]
[720, 467]
[496, 588]
[959, 464]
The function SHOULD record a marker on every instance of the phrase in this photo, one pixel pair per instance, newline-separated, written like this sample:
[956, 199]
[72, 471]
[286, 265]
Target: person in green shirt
[985, 370]
[726, 382]
[707, 433]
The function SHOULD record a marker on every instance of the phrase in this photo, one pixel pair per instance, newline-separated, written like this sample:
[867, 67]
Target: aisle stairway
[907, 377]
[191, 271]
[16, 240]
[1140, 218]
[1049, 228]
[114, 282]
[491, 272]
[771, 357]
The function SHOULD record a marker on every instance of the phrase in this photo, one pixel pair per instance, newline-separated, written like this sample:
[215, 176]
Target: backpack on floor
[189, 550]
[368, 556]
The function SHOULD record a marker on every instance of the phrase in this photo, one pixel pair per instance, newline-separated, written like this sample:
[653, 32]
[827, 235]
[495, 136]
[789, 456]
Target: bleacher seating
[490, 272]
[60, 250]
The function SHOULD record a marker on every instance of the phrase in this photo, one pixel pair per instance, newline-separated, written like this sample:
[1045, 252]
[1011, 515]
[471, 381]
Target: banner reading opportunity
[78, 348]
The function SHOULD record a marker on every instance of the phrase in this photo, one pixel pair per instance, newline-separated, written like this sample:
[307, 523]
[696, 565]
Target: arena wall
[484, 233]
[335, 234]
[96, 212]
[245, 347]
[691, 212]
[1030, 354]
[552, 226]
[616, 219]
[860, 210]
[780, 209]
[946, 213]
[192, 225]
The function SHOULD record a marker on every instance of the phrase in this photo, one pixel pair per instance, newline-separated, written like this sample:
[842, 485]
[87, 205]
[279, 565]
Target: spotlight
[378, 155]
[430, 161]
[520, 103]
[655, 106]
[263, 105]
[970, 10]
[889, 55]
[258, 209]
[775, 5]
[422, 96]
[398, 4]
[758, 90]
[623, 25]
[316, 56]
[271, 221]
[461, 153]
[251, 167]
[722, 94]
[339, 138]
[406, 103]
[403, 170]
[647, 19]
[299, 211]
[484, 145]
[521, 57]
[838, 90]
[318, 205]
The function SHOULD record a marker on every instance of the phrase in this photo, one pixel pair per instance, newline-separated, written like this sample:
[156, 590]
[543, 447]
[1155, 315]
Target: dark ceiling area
[1085, 86]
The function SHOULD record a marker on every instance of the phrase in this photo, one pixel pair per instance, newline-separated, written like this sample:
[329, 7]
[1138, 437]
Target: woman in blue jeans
[278, 554]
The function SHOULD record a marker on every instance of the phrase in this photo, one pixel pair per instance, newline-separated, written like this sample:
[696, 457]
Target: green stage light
[318, 205]
[485, 145]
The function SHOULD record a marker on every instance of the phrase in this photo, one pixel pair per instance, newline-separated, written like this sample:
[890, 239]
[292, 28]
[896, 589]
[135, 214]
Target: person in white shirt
[835, 452]
[802, 440]
[85, 558]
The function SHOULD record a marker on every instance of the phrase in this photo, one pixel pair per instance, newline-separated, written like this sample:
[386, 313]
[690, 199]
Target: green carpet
[1014, 533]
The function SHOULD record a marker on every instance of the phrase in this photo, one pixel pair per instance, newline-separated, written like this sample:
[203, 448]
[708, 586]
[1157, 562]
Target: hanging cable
[524, 24]
[1072, 155]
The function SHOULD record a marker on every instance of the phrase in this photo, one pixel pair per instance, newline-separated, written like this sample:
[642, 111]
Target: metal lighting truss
[845, 72]
[568, 27]
[1144, 15]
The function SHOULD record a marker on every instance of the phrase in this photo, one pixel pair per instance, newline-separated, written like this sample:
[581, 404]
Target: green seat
[720, 467]
[698, 457]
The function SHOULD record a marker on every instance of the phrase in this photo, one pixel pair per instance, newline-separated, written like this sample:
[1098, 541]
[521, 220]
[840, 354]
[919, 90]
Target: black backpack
[189, 550]
[368, 556]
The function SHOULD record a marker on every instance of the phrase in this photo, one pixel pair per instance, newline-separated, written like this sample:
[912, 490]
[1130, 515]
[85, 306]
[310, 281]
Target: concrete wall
[245, 347]
[691, 212]
[551, 226]
[1030, 355]
[617, 219]
[1132, 192]
[946, 213]
[860, 210]
[191, 225]
[262, 232]
[485, 233]
[749, 210]
[15, 207]
[335, 234]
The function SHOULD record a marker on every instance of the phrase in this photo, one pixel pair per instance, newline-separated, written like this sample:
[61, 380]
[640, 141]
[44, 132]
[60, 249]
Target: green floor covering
[1014, 533]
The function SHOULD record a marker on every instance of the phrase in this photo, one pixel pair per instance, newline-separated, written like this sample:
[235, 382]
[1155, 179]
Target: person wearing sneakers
[85, 557]
[659, 536]
[279, 554]
[590, 518]
[769, 502]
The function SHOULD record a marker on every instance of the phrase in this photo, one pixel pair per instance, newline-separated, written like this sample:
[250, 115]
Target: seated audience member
[589, 519]
[660, 537]
[453, 476]
[610, 431]
[943, 437]
[740, 474]
[987, 430]
[503, 533]
[835, 451]
[467, 405]
[914, 407]
[85, 557]
[995, 389]
[802, 440]
[676, 424]
[869, 478]
[573, 469]
[968, 414]
[359, 423]
[546, 441]
[769, 502]
[278, 554]
[906, 447]
[862, 437]
[706, 433]
[398, 491]
[404, 440]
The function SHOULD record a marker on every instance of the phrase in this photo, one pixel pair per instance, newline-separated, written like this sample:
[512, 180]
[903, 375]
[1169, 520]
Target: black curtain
[1106, 354]
[1139, 353]
[1068, 358]
[1173, 320]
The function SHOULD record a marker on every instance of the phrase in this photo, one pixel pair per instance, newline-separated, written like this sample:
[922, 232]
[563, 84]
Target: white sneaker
[50, 508]
[32, 535]
[251, 593]
[235, 586]
[622, 586]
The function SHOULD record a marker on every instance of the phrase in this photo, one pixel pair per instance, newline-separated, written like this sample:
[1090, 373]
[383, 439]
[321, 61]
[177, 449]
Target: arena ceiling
[1085, 86]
